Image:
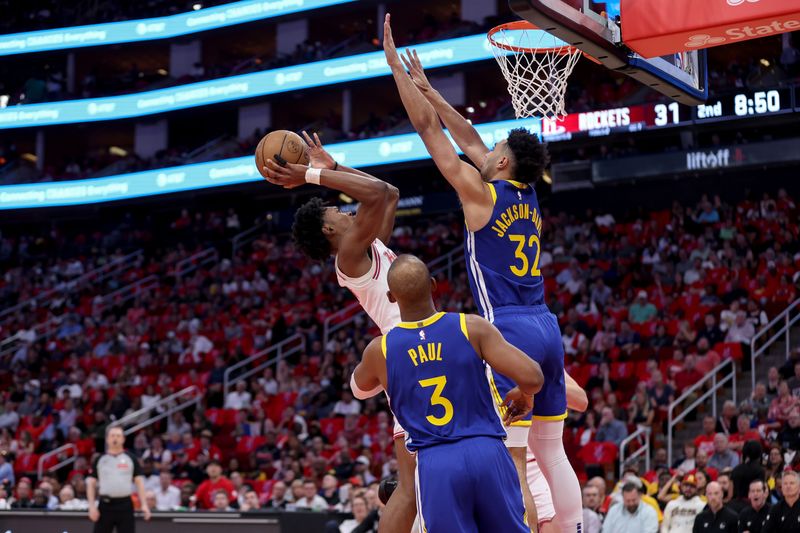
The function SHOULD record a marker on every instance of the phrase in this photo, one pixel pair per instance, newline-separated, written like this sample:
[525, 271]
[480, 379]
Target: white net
[536, 66]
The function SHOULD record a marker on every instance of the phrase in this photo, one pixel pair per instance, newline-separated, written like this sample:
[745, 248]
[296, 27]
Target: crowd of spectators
[648, 304]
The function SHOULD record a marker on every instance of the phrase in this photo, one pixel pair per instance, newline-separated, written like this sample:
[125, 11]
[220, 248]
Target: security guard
[115, 471]
[784, 516]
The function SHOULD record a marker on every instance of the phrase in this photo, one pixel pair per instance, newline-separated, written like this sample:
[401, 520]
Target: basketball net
[536, 66]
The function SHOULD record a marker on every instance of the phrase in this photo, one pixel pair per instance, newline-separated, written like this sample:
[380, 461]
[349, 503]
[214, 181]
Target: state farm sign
[656, 28]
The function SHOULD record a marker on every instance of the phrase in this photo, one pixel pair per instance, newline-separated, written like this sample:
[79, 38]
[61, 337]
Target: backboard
[595, 28]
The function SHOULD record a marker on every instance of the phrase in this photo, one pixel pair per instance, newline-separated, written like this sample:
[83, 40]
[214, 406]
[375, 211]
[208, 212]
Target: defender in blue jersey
[503, 245]
[433, 367]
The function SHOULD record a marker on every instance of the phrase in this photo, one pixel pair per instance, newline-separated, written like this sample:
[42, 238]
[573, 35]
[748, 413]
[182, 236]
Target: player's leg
[546, 436]
[518, 455]
[546, 441]
[516, 441]
[446, 494]
[541, 496]
[537, 334]
[400, 511]
[498, 501]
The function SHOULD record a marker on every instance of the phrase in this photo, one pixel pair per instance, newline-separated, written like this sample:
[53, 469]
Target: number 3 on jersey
[437, 399]
[521, 269]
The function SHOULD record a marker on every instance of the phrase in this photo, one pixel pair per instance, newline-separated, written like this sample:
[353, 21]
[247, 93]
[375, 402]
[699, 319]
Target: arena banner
[130, 31]
[697, 161]
[655, 28]
[366, 153]
[328, 72]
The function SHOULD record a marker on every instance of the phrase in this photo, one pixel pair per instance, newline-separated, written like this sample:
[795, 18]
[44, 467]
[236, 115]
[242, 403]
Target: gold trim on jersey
[494, 193]
[463, 319]
[421, 323]
[383, 346]
[518, 184]
[551, 418]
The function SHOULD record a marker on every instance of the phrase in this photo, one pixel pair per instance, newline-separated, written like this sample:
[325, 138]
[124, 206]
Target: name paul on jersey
[521, 211]
[426, 354]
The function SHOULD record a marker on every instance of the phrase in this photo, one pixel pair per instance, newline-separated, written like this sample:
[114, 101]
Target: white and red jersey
[371, 288]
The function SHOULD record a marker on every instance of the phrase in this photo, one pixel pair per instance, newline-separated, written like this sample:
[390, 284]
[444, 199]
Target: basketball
[282, 146]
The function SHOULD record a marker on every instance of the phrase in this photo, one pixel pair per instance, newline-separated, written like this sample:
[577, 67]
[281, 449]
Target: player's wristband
[335, 165]
[312, 175]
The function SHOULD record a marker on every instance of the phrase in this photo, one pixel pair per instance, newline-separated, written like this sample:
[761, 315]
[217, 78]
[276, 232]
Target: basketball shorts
[469, 486]
[398, 431]
[535, 331]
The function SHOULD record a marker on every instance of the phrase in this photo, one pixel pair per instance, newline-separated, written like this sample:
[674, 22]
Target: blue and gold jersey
[437, 382]
[503, 256]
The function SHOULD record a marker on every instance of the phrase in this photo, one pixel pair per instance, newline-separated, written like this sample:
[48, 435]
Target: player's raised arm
[320, 158]
[474, 194]
[374, 195]
[463, 133]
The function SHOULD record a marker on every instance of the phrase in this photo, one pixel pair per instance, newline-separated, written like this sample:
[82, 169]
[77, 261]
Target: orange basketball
[281, 145]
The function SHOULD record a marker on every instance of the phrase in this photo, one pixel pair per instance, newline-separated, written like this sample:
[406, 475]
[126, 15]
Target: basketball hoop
[536, 66]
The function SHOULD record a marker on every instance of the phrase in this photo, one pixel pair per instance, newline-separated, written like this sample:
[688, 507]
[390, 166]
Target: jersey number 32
[521, 268]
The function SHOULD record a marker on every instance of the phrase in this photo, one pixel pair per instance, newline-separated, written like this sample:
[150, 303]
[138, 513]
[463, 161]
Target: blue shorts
[469, 486]
[535, 331]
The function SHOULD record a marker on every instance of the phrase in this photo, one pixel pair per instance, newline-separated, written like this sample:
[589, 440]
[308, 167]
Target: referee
[115, 471]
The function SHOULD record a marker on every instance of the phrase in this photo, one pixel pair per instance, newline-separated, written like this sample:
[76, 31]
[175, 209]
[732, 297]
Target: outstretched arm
[320, 158]
[465, 135]
[373, 194]
[474, 194]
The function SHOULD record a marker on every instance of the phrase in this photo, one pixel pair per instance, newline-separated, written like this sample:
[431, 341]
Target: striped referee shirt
[115, 474]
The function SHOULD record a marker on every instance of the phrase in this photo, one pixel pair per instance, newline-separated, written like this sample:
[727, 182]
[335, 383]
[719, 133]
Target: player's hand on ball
[518, 405]
[388, 43]
[288, 176]
[318, 157]
[414, 66]
[94, 514]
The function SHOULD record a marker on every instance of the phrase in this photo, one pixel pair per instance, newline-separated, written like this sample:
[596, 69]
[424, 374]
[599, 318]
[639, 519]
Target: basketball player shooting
[433, 365]
[362, 261]
[503, 243]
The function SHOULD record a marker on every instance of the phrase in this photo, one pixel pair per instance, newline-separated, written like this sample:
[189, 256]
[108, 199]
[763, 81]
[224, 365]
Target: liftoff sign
[655, 28]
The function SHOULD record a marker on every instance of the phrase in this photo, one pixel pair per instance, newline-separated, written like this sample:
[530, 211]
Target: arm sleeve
[360, 394]
[93, 469]
[137, 468]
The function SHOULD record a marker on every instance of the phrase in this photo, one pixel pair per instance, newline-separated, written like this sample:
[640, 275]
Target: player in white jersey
[362, 261]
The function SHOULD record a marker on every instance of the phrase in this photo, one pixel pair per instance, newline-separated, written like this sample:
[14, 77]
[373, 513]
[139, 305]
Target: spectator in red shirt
[688, 375]
[743, 434]
[215, 482]
[705, 441]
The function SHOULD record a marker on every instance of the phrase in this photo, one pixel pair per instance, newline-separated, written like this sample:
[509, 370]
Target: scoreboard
[664, 115]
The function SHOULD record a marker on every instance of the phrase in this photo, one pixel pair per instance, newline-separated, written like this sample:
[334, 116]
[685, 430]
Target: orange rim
[521, 25]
